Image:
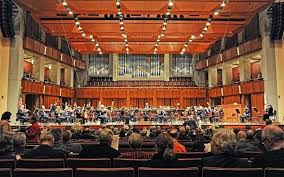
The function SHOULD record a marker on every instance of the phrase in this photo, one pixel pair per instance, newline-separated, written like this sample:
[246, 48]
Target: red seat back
[274, 172]
[231, 172]
[7, 163]
[5, 172]
[88, 163]
[168, 172]
[41, 163]
[104, 172]
[43, 172]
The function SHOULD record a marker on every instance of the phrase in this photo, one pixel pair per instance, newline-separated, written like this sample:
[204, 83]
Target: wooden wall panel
[232, 99]
[257, 100]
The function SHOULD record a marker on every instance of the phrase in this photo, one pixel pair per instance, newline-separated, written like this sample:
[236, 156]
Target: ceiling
[142, 23]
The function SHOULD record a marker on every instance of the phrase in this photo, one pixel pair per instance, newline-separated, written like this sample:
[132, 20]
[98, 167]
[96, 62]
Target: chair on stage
[41, 163]
[43, 172]
[274, 172]
[5, 172]
[231, 172]
[104, 172]
[168, 172]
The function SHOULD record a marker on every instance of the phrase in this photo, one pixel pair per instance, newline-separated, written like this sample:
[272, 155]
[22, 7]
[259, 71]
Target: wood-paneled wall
[137, 97]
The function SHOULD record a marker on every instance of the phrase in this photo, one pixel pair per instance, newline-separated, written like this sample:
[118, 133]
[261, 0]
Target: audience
[19, 140]
[135, 144]
[101, 150]
[243, 145]
[6, 147]
[45, 150]
[223, 145]
[66, 139]
[5, 127]
[33, 132]
[177, 146]
[273, 140]
[165, 148]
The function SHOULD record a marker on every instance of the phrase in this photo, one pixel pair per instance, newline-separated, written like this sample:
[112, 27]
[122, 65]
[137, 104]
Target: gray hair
[223, 141]
[135, 141]
[242, 135]
[6, 144]
[19, 139]
[105, 136]
[273, 132]
[46, 137]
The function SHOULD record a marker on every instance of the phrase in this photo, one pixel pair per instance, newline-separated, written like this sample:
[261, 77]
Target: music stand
[238, 112]
[255, 109]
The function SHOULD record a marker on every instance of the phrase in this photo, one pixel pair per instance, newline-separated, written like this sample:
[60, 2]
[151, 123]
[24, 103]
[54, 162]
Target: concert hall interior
[193, 86]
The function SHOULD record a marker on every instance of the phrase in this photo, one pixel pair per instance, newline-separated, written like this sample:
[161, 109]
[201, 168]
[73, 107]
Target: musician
[43, 117]
[22, 115]
[246, 115]
[268, 112]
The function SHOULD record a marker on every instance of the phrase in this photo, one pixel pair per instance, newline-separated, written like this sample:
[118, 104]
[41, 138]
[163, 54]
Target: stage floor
[142, 124]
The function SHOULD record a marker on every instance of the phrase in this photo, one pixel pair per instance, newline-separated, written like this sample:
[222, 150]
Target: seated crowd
[225, 145]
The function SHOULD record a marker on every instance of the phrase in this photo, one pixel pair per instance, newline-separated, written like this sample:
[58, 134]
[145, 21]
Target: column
[212, 77]
[55, 73]
[268, 63]
[227, 74]
[115, 67]
[245, 69]
[16, 60]
[279, 56]
[38, 69]
[167, 67]
[4, 63]
[69, 76]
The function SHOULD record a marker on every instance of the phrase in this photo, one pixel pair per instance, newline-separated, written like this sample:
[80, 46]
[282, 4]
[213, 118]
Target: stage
[147, 124]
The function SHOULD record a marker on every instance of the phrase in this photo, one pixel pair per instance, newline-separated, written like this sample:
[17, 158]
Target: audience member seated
[6, 147]
[223, 147]
[58, 135]
[45, 150]
[177, 146]
[101, 150]
[19, 140]
[182, 134]
[243, 145]
[165, 156]
[33, 132]
[66, 138]
[135, 143]
[5, 127]
[273, 139]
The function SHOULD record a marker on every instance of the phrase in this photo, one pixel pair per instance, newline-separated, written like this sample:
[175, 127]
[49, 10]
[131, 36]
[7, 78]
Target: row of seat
[143, 172]
[93, 163]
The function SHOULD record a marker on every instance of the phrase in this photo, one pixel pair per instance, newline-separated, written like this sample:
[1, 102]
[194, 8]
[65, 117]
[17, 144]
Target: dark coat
[44, 151]
[99, 151]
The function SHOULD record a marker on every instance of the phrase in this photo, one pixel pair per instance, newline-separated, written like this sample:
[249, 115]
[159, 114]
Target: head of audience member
[165, 145]
[57, 134]
[143, 133]
[19, 140]
[46, 138]
[6, 116]
[135, 141]
[174, 133]
[268, 122]
[223, 141]
[182, 130]
[6, 145]
[105, 137]
[33, 120]
[66, 136]
[241, 136]
[250, 134]
[272, 137]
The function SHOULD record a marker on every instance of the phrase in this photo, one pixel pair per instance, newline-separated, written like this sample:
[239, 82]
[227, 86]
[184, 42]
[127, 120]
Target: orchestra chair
[231, 172]
[104, 172]
[5, 172]
[274, 172]
[7, 163]
[40, 163]
[43, 172]
[168, 172]
[75, 163]
[185, 155]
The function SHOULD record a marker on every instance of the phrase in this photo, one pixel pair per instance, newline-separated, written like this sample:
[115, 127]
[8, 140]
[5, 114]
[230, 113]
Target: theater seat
[168, 172]
[274, 172]
[180, 163]
[104, 172]
[43, 172]
[231, 172]
[88, 163]
[40, 163]
[135, 163]
[5, 172]
[7, 163]
[193, 155]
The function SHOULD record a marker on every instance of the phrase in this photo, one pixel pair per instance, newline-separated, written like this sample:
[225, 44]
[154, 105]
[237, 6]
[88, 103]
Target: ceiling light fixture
[207, 24]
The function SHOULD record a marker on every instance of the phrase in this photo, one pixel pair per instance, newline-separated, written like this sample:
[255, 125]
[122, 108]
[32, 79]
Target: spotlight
[162, 35]
[77, 23]
[83, 34]
[91, 36]
[93, 40]
[97, 44]
[64, 3]
[217, 12]
[121, 28]
[70, 12]
[171, 3]
[117, 3]
[223, 4]
[101, 53]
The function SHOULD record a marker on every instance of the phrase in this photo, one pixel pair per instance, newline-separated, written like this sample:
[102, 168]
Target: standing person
[5, 127]
[33, 132]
